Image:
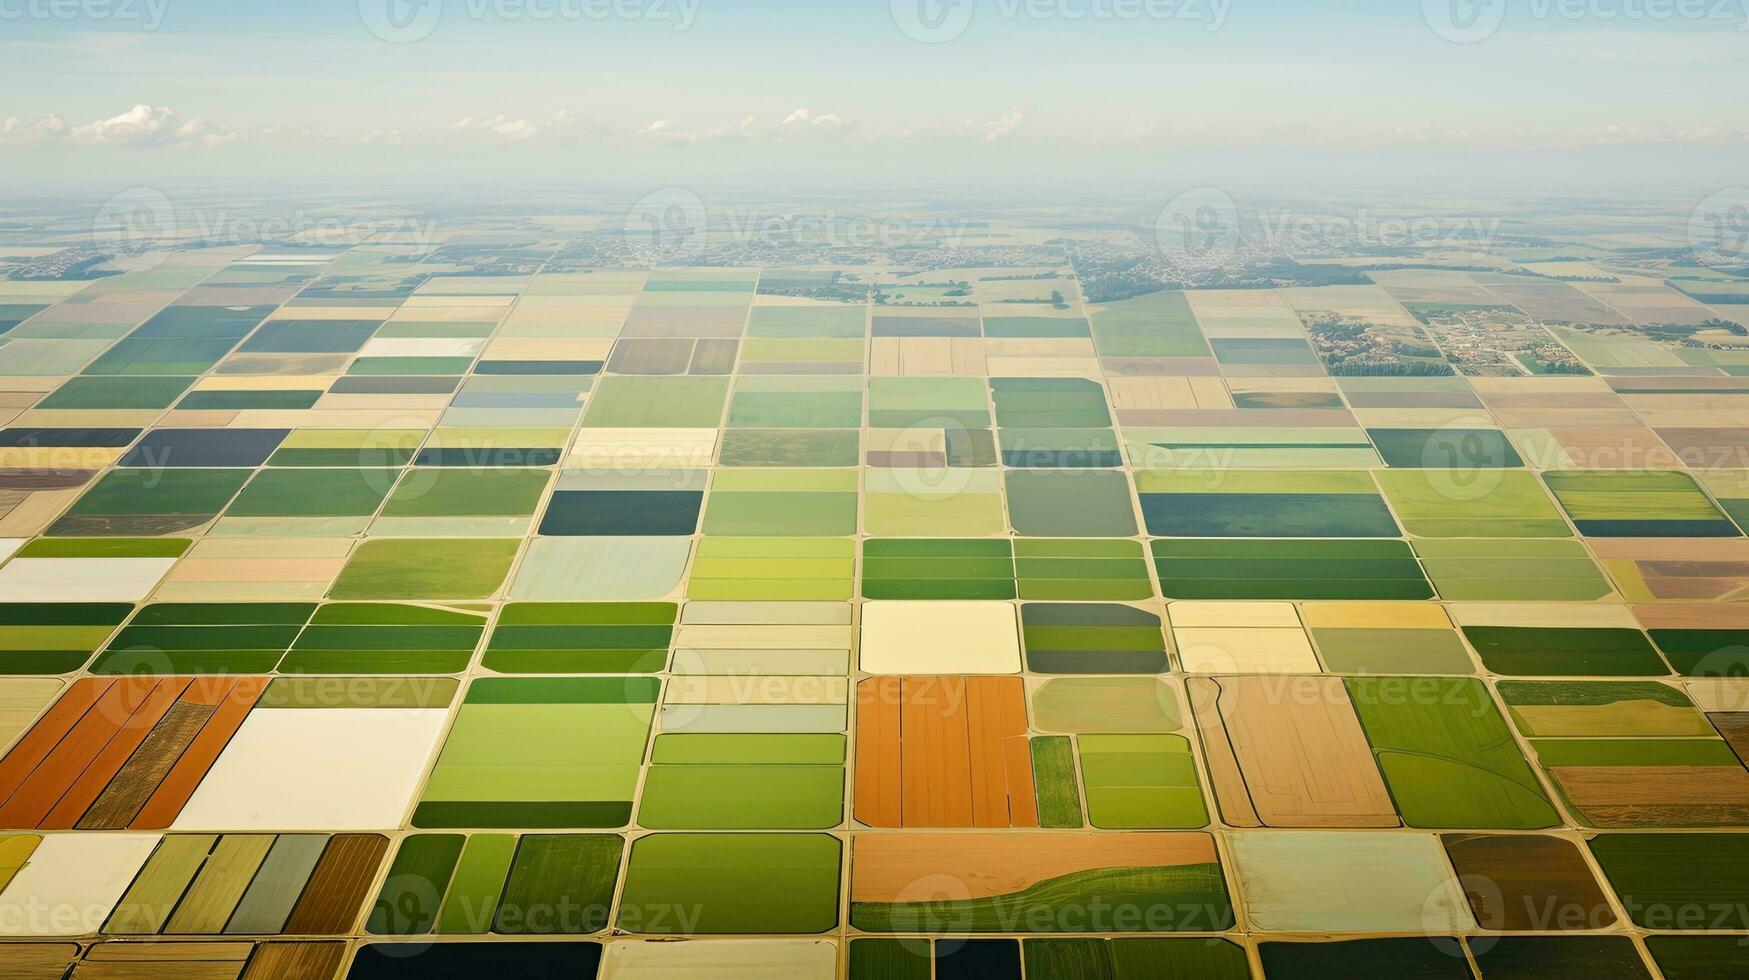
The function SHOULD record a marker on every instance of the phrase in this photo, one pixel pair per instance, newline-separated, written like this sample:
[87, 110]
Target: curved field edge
[1188, 898]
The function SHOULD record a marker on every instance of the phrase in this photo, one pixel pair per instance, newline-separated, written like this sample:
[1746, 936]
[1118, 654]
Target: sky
[828, 94]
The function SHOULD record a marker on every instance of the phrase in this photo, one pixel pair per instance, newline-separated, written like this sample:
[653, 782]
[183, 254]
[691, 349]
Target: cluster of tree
[1287, 272]
[1563, 366]
[1389, 369]
[831, 292]
[1685, 331]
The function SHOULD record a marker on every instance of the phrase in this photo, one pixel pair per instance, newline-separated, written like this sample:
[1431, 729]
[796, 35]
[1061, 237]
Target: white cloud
[141, 126]
[42, 129]
[514, 130]
[984, 130]
[146, 125]
[1002, 126]
[799, 122]
[205, 132]
[664, 131]
[805, 119]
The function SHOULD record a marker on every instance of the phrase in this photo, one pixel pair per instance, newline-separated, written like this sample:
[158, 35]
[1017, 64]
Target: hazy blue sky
[828, 92]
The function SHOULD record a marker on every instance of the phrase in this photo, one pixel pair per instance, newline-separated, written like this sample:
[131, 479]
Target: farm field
[516, 604]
